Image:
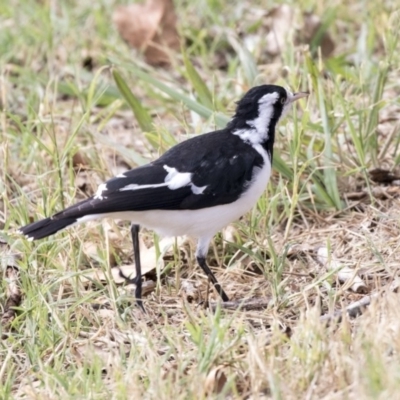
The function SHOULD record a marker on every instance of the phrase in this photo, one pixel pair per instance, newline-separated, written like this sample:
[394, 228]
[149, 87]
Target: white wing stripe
[135, 186]
[174, 180]
[99, 193]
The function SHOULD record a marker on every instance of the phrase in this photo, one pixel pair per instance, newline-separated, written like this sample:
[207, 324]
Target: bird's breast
[257, 185]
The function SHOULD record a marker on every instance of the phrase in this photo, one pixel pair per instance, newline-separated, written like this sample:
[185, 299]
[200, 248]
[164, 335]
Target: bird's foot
[137, 281]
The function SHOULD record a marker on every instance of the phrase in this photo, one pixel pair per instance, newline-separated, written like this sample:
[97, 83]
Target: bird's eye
[283, 100]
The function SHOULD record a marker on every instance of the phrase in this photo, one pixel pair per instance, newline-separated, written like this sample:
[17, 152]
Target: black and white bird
[196, 188]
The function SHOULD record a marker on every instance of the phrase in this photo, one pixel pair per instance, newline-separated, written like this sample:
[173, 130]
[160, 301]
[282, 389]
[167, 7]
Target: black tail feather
[45, 227]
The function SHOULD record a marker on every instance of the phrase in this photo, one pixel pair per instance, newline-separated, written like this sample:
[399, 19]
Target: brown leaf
[281, 22]
[147, 258]
[216, 380]
[151, 28]
[281, 19]
[79, 162]
[381, 175]
[312, 24]
[355, 195]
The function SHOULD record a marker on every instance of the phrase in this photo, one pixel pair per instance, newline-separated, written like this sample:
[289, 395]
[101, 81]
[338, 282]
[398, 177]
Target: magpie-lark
[195, 188]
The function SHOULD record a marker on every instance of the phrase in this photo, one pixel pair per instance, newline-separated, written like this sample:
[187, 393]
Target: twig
[379, 192]
[353, 310]
[254, 304]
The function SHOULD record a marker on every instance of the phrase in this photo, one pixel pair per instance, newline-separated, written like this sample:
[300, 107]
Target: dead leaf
[312, 23]
[345, 274]
[147, 258]
[90, 249]
[151, 28]
[79, 162]
[216, 380]
[355, 195]
[383, 175]
[383, 193]
[300, 249]
[107, 351]
[81, 181]
[281, 19]
[230, 234]
[281, 22]
[190, 290]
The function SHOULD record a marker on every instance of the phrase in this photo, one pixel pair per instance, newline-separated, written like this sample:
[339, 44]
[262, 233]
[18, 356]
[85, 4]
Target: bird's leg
[138, 279]
[212, 278]
[207, 303]
[136, 252]
[201, 253]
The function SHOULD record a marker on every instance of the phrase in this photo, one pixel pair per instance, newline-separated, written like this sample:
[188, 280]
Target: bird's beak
[299, 95]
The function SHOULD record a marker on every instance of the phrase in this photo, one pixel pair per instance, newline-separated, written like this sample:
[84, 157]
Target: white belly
[196, 223]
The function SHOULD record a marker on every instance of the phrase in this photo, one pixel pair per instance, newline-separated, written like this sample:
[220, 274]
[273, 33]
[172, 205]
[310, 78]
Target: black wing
[219, 163]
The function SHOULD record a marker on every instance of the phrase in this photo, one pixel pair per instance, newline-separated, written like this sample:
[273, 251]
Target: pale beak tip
[299, 95]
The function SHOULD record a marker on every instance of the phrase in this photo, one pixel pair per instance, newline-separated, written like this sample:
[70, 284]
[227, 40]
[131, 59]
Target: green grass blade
[198, 84]
[330, 179]
[247, 61]
[220, 119]
[357, 139]
[373, 115]
[130, 155]
[142, 116]
[281, 166]
[329, 17]
[16, 119]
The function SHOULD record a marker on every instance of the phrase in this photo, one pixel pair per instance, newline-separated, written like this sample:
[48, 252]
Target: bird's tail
[45, 227]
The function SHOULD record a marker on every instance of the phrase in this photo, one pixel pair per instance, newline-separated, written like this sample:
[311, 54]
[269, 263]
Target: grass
[73, 95]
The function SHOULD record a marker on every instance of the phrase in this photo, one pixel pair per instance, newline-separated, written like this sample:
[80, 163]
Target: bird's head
[260, 109]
